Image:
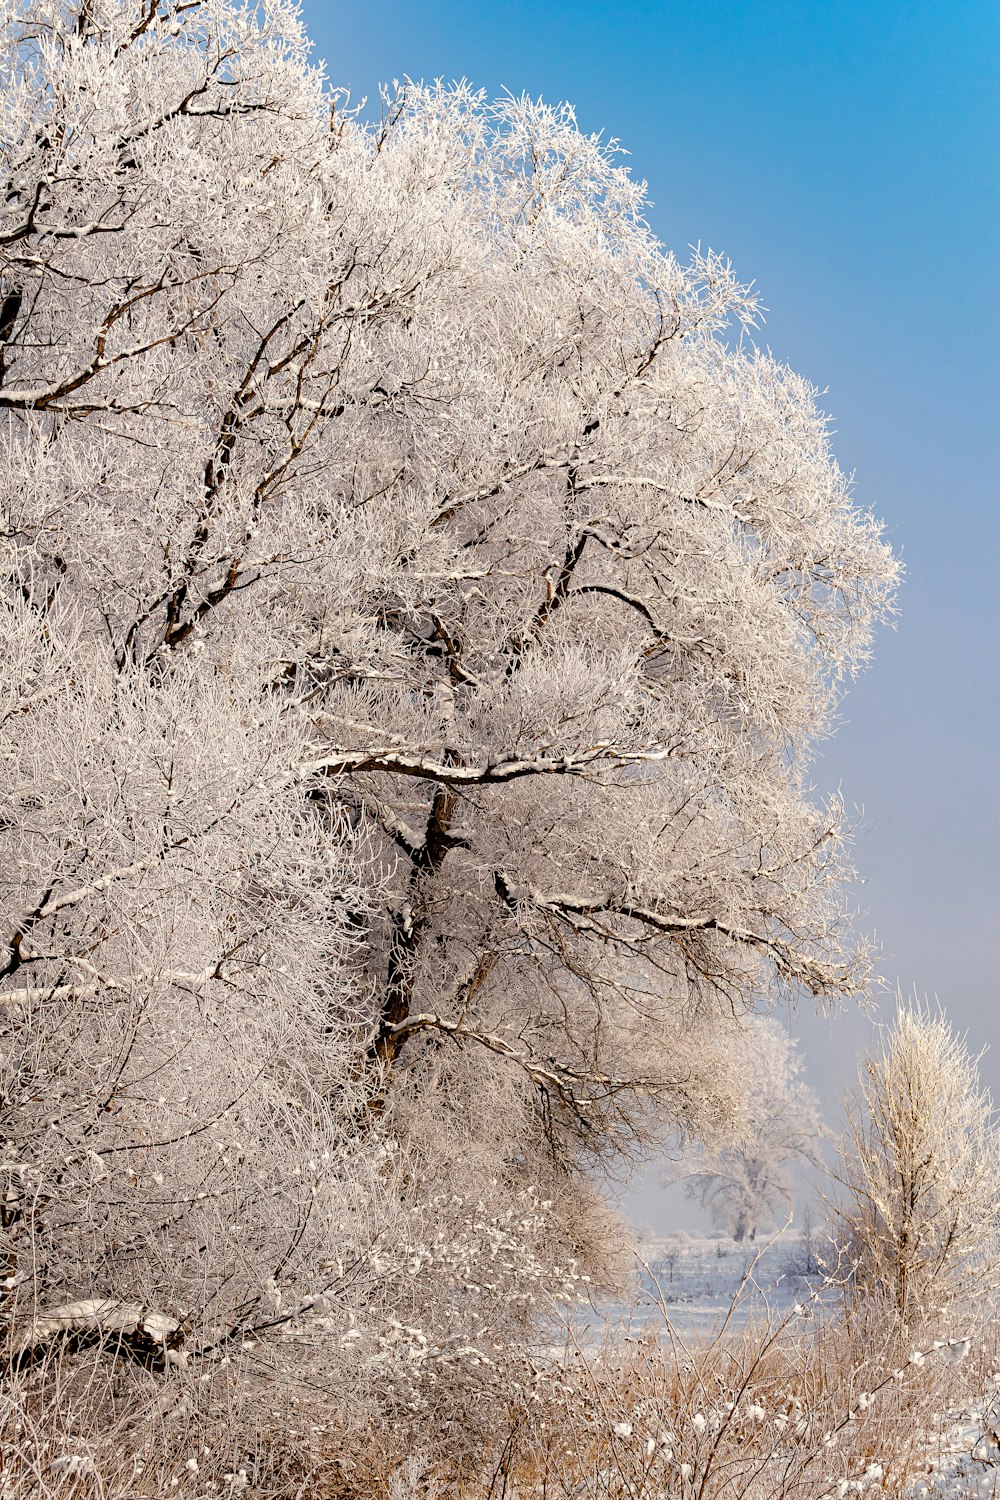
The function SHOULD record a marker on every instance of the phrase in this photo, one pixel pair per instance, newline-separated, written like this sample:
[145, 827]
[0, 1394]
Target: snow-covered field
[698, 1281]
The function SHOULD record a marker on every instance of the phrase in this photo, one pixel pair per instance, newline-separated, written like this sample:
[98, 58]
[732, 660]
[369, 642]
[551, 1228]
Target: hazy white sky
[846, 156]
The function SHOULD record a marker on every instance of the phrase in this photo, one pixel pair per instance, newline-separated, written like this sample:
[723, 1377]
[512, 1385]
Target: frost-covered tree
[748, 1181]
[418, 616]
[920, 1176]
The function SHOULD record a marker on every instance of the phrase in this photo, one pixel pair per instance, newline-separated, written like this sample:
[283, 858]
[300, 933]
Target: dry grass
[87, 1426]
[794, 1407]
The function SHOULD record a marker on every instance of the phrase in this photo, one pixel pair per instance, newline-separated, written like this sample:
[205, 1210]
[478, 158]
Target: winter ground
[963, 1453]
[698, 1281]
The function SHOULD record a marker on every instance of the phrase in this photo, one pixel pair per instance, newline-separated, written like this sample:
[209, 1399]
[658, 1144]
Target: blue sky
[846, 156]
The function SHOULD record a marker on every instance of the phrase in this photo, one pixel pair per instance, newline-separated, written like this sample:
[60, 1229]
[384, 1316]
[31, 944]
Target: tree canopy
[421, 603]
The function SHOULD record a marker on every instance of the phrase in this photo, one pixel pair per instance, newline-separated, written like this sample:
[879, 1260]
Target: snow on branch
[152, 1337]
[400, 761]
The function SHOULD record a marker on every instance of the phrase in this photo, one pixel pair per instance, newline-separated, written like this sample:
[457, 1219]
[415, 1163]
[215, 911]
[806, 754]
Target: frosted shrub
[920, 1179]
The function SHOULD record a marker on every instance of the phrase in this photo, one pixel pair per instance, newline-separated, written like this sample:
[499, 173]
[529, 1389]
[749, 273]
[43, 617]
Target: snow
[698, 1281]
[963, 1455]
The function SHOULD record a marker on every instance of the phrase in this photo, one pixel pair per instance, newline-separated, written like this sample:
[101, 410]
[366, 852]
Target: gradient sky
[846, 156]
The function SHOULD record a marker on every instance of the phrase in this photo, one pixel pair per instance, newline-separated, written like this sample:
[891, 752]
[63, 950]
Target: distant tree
[920, 1176]
[417, 618]
[810, 1262]
[747, 1183]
